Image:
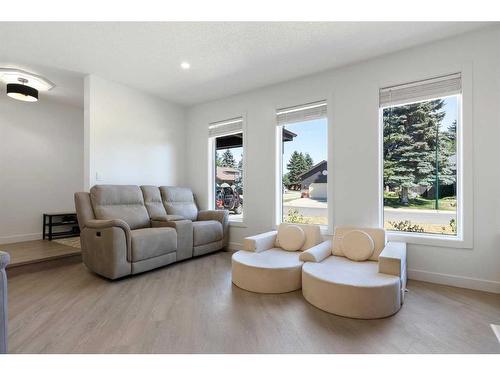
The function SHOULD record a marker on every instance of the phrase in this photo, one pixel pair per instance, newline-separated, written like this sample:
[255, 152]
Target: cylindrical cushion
[357, 245]
[291, 237]
[270, 271]
[352, 289]
[317, 253]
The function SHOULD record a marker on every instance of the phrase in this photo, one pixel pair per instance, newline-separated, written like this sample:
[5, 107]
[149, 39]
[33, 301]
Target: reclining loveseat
[127, 229]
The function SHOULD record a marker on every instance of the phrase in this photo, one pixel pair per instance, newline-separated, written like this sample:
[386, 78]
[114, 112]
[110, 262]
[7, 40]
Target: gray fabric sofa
[4, 260]
[127, 229]
[200, 233]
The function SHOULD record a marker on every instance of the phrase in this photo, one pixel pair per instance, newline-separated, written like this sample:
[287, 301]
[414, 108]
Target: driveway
[419, 216]
[307, 207]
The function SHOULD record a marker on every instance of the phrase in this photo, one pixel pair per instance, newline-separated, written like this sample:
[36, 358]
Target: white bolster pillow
[260, 242]
[317, 253]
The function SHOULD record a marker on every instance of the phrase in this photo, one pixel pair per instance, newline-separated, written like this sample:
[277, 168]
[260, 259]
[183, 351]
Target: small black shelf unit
[62, 220]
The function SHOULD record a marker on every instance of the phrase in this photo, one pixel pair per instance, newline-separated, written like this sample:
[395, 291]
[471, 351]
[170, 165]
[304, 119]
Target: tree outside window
[420, 166]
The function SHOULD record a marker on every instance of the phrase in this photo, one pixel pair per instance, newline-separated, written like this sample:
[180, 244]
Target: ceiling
[226, 58]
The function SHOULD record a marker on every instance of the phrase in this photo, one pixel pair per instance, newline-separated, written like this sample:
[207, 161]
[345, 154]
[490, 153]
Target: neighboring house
[315, 180]
[227, 174]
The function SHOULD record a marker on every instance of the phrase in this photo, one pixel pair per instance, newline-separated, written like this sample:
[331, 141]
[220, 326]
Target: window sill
[429, 240]
[237, 223]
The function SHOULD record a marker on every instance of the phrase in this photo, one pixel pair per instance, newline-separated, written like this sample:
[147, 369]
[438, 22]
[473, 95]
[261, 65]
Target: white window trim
[211, 170]
[326, 230]
[465, 179]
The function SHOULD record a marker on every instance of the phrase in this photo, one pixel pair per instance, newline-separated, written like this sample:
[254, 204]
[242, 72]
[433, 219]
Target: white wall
[131, 137]
[41, 164]
[354, 178]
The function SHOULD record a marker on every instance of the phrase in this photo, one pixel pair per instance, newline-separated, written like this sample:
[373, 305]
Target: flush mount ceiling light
[22, 92]
[185, 65]
[22, 85]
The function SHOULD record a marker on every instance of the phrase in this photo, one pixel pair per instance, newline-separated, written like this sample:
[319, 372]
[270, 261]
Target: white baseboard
[20, 238]
[453, 280]
[234, 246]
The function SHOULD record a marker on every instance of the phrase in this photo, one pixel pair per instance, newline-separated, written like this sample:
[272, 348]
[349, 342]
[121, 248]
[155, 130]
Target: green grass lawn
[445, 204]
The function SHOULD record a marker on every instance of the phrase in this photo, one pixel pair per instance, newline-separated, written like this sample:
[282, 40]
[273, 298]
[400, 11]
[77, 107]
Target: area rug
[72, 242]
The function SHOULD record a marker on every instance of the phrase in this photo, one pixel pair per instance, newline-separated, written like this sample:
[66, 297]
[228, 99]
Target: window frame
[212, 168]
[325, 229]
[464, 238]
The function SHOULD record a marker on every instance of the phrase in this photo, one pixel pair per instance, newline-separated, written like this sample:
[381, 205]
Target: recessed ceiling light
[185, 65]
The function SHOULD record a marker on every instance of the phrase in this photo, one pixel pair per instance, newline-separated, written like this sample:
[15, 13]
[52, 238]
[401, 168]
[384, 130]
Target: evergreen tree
[240, 163]
[308, 160]
[227, 159]
[296, 166]
[451, 134]
[239, 181]
[285, 180]
[218, 160]
[412, 138]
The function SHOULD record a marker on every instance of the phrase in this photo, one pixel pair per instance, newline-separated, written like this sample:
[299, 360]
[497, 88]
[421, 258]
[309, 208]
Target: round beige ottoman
[270, 271]
[352, 289]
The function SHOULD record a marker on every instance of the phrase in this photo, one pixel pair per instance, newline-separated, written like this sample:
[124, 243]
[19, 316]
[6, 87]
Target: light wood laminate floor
[29, 252]
[192, 307]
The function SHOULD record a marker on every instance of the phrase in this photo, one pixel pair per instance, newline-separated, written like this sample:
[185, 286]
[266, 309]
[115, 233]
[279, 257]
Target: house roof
[313, 169]
[227, 173]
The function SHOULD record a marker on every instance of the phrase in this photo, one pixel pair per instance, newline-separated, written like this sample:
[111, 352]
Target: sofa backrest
[312, 232]
[153, 202]
[377, 235]
[123, 202]
[84, 211]
[179, 201]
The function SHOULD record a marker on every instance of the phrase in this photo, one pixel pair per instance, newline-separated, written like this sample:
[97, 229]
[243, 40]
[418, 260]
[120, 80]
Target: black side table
[63, 220]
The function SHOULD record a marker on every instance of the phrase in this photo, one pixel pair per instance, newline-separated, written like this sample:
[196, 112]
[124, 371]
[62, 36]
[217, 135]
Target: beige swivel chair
[360, 276]
[270, 262]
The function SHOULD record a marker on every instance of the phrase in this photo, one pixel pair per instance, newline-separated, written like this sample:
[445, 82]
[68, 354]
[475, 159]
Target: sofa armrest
[218, 215]
[260, 242]
[317, 253]
[392, 260]
[4, 260]
[221, 216]
[102, 224]
[97, 225]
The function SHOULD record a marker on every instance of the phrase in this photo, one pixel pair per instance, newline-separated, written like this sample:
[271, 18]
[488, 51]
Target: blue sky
[311, 137]
[451, 108]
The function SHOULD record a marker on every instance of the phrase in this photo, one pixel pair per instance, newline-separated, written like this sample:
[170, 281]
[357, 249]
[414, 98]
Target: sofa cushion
[179, 201]
[357, 245]
[153, 203]
[291, 237]
[152, 242]
[377, 235]
[270, 271]
[123, 202]
[353, 289]
[205, 232]
[312, 232]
